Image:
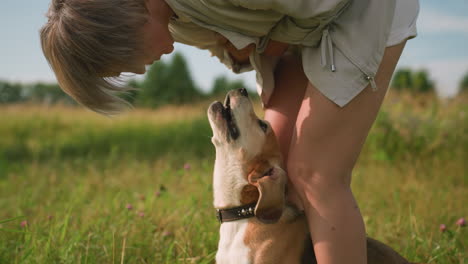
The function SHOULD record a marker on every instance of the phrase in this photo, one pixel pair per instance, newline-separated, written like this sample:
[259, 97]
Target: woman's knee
[312, 182]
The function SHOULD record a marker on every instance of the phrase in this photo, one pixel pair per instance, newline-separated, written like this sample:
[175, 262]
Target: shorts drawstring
[325, 43]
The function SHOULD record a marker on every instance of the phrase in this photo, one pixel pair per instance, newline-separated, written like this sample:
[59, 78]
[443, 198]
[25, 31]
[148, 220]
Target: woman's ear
[270, 182]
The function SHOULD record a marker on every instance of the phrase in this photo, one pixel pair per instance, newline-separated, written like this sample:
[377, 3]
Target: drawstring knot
[327, 43]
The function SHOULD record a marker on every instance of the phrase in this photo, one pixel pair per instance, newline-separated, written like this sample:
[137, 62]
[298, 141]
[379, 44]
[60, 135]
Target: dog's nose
[244, 92]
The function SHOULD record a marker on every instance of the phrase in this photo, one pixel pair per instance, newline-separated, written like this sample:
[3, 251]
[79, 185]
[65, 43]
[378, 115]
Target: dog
[258, 226]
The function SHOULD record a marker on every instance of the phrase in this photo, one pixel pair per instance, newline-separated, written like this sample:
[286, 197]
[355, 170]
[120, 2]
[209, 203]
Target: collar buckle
[219, 216]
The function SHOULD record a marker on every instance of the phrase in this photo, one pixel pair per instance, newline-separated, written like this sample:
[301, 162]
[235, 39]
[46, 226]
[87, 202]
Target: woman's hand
[240, 56]
[274, 49]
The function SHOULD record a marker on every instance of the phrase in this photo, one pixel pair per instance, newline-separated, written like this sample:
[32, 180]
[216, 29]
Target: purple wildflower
[461, 222]
[24, 223]
[442, 228]
[129, 206]
[166, 234]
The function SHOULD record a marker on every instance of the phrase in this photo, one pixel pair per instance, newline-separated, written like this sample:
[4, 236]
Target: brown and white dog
[257, 225]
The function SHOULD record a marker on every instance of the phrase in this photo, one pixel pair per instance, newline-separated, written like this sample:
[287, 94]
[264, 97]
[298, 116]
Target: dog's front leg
[231, 247]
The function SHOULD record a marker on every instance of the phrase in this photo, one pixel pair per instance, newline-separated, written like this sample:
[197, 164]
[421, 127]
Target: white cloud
[447, 74]
[433, 21]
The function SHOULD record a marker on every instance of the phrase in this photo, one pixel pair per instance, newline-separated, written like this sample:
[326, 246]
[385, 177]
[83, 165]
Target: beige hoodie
[341, 41]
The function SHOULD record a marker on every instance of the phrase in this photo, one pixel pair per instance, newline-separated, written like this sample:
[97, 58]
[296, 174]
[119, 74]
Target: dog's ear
[270, 182]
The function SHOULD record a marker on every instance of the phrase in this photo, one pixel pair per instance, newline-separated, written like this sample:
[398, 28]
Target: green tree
[419, 81]
[236, 84]
[181, 87]
[222, 85]
[168, 83]
[464, 83]
[422, 83]
[402, 80]
[49, 93]
[10, 93]
[131, 95]
[150, 94]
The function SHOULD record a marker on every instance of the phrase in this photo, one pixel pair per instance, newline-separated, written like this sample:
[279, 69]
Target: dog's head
[248, 160]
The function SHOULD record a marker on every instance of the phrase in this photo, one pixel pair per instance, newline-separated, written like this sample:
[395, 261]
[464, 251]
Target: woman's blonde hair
[85, 39]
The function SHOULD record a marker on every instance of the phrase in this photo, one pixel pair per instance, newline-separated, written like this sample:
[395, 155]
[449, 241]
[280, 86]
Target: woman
[323, 68]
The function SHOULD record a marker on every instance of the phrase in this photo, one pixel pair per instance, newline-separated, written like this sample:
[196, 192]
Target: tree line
[164, 83]
[413, 81]
[171, 83]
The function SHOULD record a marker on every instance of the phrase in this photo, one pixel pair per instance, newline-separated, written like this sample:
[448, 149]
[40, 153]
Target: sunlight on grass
[76, 187]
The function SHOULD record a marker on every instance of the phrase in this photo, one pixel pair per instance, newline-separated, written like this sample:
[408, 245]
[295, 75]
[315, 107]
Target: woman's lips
[167, 50]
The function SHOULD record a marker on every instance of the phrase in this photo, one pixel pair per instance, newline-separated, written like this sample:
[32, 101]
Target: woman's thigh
[328, 139]
[283, 106]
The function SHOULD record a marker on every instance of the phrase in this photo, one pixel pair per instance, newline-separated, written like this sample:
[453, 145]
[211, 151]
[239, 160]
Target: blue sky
[441, 46]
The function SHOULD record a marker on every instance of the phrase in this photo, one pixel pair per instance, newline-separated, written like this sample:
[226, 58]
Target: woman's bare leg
[283, 106]
[324, 149]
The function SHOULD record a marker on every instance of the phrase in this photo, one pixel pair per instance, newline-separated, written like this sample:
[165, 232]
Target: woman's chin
[169, 49]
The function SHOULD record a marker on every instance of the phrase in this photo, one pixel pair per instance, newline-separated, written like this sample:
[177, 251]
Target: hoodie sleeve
[300, 9]
[301, 17]
[193, 35]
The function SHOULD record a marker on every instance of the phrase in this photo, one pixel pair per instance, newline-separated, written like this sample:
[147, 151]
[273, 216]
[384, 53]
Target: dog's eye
[263, 125]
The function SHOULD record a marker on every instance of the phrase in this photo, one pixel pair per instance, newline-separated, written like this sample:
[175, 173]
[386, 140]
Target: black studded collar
[236, 213]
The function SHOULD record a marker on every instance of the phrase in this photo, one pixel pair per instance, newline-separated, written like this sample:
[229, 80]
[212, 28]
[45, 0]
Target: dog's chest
[232, 248]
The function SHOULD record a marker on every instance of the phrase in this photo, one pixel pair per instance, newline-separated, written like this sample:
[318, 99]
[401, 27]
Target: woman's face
[157, 39]
[156, 36]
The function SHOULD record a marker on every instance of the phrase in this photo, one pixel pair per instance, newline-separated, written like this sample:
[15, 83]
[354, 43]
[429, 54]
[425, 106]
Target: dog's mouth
[233, 130]
[225, 112]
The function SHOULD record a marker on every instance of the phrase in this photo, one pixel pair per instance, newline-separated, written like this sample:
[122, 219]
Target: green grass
[67, 176]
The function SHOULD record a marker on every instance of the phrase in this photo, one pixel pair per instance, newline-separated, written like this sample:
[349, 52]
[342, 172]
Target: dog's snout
[244, 92]
[216, 107]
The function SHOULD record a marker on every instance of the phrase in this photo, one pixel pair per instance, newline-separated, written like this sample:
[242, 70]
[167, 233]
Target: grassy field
[76, 187]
